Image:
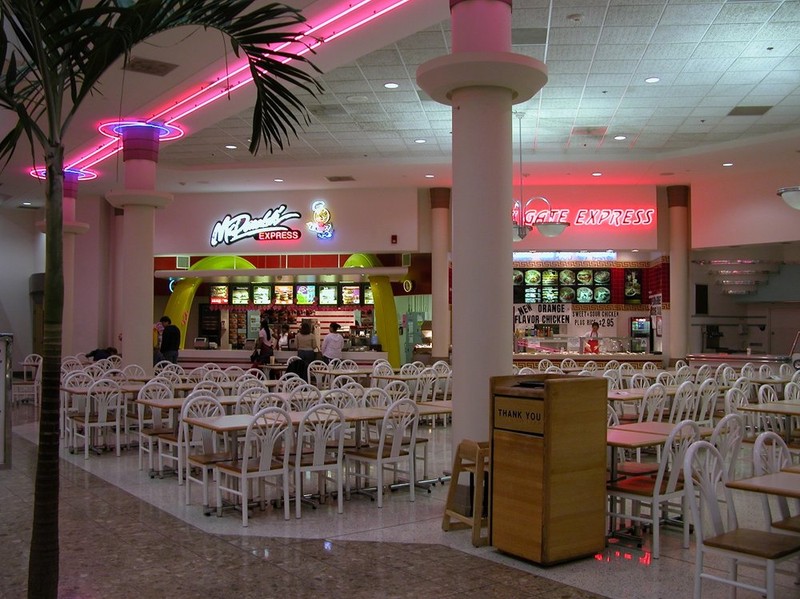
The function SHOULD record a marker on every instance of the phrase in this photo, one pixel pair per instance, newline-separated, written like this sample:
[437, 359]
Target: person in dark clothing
[102, 353]
[170, 340]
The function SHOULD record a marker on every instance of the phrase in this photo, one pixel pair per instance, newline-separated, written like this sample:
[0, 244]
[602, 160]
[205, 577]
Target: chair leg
[412, 476]
[245, 494]
[379, 476]
[286, 503]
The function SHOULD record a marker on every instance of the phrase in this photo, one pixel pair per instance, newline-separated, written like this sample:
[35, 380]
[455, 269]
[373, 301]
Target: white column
[71, 228]
[139, 202]
[481, 79]
[440, 272]
[679, 245]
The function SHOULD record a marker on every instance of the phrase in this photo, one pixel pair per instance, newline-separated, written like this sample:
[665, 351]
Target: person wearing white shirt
[332, 344]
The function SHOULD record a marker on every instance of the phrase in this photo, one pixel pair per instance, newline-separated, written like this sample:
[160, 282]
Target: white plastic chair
[150, 428]
[202, 448]
[706, 402]
[304, 397]
[255, 399]
[727, 438]
[319, 450]
[265, 456]
[102, 413]
[771, 455]
[721, 537]
[396, 445]
[657, 493]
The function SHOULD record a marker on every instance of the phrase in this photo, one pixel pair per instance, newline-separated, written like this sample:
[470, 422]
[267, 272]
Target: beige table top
[784, 408]
[792, 469]
[782, 483]
[628, 439]
[658, 428]
[239, 422]
[431, 408]
[626, 394]
[396, 377]
[770, 380]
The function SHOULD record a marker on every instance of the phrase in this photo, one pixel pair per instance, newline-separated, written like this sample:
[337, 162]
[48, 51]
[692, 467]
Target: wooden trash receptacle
[548, 466]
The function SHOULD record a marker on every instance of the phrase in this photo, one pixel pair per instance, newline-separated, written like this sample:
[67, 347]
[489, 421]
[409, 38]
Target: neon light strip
[168, 115]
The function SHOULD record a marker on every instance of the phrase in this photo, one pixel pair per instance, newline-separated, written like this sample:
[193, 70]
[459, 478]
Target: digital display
[284, 294]
[240, 295]
[351, 295]
[368, 299]
[572, 285]
[262, 295]
[305, 294]
[219, 294]
[328, 295]
[533, 295]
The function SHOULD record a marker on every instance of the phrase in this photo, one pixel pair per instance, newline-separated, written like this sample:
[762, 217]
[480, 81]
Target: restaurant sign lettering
[272, 226]
[613, 217]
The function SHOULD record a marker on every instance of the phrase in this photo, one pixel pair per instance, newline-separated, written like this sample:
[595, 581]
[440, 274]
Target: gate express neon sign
[269, 227]
[613, 217]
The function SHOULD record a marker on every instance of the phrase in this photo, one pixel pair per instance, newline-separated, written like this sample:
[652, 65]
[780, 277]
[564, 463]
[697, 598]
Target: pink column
[481, 80]
[679, 246]
[440, 272]
[139, 201]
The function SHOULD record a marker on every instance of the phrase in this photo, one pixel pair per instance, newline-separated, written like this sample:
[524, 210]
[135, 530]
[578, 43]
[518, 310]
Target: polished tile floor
[124, 534]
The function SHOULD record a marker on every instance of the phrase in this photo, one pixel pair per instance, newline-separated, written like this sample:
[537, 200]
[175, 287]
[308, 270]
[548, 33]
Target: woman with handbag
[264, 346]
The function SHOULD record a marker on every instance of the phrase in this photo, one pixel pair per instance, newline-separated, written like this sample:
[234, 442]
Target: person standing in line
[332, 344]
[283, 338]
[306, 343]
[170, 340]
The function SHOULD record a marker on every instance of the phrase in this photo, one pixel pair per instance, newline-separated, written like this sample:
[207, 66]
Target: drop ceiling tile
[700, 65]
[607, 79]
[626, 35]
[678, 34]
[628, 15]
[755, 64]
[430, 39]
[777, 31]
[612, 66]
[669, 51]
[690, 14]
[559, 67]
[620, 51]
[696, 78]
[571, 52]
[734, 32]
[568, 36]
[386, 57]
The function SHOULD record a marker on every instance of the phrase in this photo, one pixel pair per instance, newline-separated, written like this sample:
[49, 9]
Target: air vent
[182, 262]
[529, 36]
[340, 178]
[749, 110]
[590, 131]
[149, 67]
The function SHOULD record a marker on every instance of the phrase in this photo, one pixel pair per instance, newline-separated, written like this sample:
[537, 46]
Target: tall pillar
[71, 228]
[679, 246]
[139, 201]
[481, 79]
[440, 272]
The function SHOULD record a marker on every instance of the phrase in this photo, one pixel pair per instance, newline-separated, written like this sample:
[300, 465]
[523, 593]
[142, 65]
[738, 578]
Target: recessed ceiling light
[357, 99]
[727, 164]
[597, 174]
[26, 203]
[620, 137]
[652, 80]
[278, 180]
[420, 141]
[429, 176]
[391, 85]
[634, 251]
[230, 147]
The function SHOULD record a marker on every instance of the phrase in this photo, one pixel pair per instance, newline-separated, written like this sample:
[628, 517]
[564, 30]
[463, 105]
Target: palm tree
[54, 52]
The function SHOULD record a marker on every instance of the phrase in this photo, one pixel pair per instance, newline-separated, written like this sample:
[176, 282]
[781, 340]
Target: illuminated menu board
[305, 294]
[368, 298]
[240, 295]
[565, 286]
[328, 295]
[351, 295]
[284, 294]
[218, 294]
[262, 295]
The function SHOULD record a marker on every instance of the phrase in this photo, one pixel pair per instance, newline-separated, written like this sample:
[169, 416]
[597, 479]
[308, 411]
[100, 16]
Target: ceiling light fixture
[791, 195]
[278, 180]
[620, 137]
[727, 164]
[519, 229]
[652, 80]
[391, 85]
[597, 174]
[230, 147]
[429, 176]
[420, 141]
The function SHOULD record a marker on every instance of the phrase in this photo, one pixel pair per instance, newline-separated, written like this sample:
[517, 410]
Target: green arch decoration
[180, 302]
[385, 311]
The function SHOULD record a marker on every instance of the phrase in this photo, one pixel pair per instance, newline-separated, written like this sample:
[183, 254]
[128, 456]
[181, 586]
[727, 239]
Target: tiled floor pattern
[124, 534]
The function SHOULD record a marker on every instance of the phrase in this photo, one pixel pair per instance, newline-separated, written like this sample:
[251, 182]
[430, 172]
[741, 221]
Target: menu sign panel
[305, 294]
[284, 294]
[240, 295]
[218, 294]
[633, 286]
[328, 295]
[564, 286]
[262, 294]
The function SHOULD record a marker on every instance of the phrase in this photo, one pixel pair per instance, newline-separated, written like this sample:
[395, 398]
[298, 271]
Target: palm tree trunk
[44, 555]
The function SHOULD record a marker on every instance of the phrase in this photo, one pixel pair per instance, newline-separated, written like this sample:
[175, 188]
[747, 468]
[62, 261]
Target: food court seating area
[621, 567]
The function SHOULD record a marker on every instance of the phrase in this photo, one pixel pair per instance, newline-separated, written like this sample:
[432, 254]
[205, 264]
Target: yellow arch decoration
[386, 324]
[180, 302]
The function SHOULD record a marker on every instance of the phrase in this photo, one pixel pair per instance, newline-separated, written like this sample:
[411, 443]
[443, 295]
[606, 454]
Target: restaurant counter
[738, 360]
[532, 360]
[191, 358]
